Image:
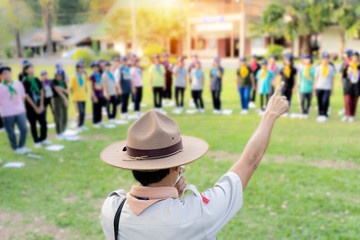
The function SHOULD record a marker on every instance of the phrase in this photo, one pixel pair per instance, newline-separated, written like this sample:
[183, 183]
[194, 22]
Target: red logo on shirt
[204, 199]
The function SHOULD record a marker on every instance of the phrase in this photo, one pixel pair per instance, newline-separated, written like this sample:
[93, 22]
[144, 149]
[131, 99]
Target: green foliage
[275, 49]
[8, 51]
[28, 53]
[151, 49]
[35, 236]
[83, 54]
[109, 54]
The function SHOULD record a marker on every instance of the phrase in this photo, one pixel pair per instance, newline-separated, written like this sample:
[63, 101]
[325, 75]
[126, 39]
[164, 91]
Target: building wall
[330, 41]
[353, 44]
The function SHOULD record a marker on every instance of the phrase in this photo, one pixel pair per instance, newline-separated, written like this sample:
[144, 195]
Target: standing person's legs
[302, 102]
[21, 123]
[177, 90]
[114, 103]
[247, 92]
[1, 123]
[108, 105]
[156, 96]
[213, 95]
[9, 123]
[347, 100]
[200, 99]
[319, 95]
[138, 98]
[43, 126]
[81, 107]
[182, 97]
[354, 100]
[194, 95]
[309, 99]
[57, 114]
[31, 116]
[97, 114]
[218, 100]
[125, 101]
[241, 91]
[326, 102]
[253, 97]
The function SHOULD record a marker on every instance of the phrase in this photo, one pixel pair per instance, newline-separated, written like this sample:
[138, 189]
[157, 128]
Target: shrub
[151, 49]
[275, 49]
[8, 51]
[83, 54]
[29, 53]
[109, 55]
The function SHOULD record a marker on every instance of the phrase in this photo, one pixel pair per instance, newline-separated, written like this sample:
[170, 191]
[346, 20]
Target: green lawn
[307, 187]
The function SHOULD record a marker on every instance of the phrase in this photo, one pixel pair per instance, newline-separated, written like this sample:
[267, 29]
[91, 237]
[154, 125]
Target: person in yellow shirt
[78, 91]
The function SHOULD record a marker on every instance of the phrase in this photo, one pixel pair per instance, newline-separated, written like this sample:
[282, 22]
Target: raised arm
[258, 143]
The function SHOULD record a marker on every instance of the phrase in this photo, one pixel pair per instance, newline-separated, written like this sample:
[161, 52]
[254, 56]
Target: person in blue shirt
[264, 76]
[306, 84]
[216, 75]
[124, 86]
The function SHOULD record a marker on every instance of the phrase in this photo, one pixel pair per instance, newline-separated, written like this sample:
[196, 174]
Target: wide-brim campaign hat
[154, 142]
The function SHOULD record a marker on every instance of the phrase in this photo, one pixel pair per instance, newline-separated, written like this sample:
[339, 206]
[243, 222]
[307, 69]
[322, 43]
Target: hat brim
[193, 149]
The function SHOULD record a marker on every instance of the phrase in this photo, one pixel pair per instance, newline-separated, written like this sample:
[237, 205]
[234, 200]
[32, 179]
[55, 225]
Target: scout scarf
[287, 71]
[33, 83]
[353, 72]
[214, 72]
[244, 71]
[97, 77]
[140, 198]
[253, 66]
[139, 71]
[61, 83]
[46, 83]
[158, 69]
[264, 73]
[197, 73]
[12, 90]
[324, 70]
[80, 79]
[307, 71]
[182, 72]
[111, 76]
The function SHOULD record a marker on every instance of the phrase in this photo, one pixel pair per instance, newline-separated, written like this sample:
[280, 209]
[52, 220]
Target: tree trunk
[342, 44]
[272, 40]
[48, 22]
[18, 43]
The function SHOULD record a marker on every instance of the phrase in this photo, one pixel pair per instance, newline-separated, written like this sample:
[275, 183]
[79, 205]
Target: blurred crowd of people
[119, 84]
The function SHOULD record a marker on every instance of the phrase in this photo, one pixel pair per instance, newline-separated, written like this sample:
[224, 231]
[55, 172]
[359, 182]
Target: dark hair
[26, 67]
[146, 178]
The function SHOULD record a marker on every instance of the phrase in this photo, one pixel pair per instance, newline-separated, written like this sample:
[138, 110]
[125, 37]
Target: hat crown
[152, 131]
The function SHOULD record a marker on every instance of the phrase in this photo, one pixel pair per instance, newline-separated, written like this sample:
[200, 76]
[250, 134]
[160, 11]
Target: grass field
[307, 186]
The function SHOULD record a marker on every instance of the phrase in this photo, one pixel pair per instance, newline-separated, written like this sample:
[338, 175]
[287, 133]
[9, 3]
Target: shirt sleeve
[224, 201]
[21, 91]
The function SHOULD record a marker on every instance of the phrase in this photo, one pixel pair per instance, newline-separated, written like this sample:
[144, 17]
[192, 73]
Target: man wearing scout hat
[156, 209]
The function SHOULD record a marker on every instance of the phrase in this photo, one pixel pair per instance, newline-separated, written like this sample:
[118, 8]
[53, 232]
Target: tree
[47, 7]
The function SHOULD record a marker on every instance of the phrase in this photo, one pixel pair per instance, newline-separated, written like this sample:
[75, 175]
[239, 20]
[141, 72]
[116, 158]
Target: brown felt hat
[154, 142]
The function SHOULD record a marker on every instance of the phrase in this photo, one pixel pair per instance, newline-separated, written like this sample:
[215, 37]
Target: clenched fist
[278, 105]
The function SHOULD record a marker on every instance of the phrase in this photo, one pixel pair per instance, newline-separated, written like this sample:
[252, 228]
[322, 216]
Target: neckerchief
[263, 74]
[139, 71]
[80, 79]
[214, 72]
[158, 69]
[182, 72]
[111, 76]
[61, 83]
[33, 83]
[46, 82]
[98, 78]
[353, 72]
[253, 66]
[198, 73]
[307, 71]
[244, 71]
[325, 70]
[287, 71]
[140, 198]
[12, 90]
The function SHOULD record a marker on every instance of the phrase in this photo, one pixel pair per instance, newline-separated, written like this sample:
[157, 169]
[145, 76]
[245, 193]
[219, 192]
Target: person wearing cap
[78, 90]
[168, 79]
[101, 64]
[180, 84]
[115, 65]
[35, 98]
[60, 66]
[156, 208]
[97, 93]
[264, 76]
[347, 59]
[157, 81]
[245, 81]
[306, 85]
[216, 75]
[351, 74]
[288, 76]
[12, 110]
[60, 103]
[23, 64]
[123, 79]
[324, 84]
[111, 89]
[255, 67]
[136, 84]
[275, 69]
[48, 92]
[197, 86]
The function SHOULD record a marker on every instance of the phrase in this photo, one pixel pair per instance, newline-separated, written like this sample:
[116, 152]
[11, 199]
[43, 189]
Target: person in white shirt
[155, 151]
[180, 73]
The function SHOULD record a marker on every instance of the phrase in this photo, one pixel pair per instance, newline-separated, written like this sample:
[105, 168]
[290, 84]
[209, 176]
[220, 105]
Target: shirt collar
[154, 194]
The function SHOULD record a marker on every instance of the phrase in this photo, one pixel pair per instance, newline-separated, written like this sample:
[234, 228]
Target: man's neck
[8, 81]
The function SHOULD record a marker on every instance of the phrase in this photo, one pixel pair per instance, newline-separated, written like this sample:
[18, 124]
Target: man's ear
[175, 169]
